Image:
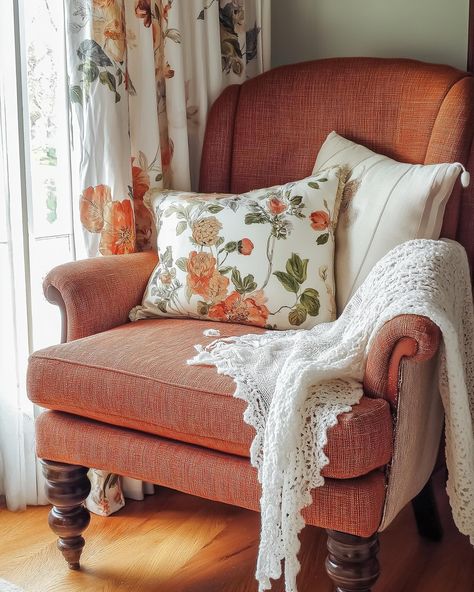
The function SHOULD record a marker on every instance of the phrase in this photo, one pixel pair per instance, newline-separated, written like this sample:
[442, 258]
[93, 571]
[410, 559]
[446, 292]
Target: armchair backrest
[268, 130]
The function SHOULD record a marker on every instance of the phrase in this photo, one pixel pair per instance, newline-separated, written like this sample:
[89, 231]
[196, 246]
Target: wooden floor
[177, 543]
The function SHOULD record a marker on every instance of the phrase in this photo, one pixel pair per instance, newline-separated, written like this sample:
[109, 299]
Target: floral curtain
[142, 76]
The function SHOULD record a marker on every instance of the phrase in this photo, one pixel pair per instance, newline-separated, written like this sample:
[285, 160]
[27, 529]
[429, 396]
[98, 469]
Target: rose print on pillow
[241, 308]
[319, 220]
[203, 278]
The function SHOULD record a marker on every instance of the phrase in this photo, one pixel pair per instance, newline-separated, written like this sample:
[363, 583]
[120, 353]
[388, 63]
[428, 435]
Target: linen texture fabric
[384, 204]
[166, 397]
[263, 258]
[352, 505]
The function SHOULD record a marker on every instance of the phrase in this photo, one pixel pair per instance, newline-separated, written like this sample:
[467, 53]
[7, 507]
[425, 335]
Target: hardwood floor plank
[172, 542]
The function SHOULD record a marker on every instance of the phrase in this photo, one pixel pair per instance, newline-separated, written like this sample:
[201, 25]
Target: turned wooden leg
[426, 514]
[67, 486]
[352, 561]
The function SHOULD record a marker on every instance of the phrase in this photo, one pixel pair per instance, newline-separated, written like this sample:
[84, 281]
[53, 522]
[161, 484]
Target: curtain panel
[142, 76]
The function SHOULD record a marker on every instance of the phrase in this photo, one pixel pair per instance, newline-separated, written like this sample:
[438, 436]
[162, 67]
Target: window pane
[46, 254]
[48, 118]
[49, 200]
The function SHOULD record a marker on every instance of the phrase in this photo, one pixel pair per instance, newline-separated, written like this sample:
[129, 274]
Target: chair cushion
[354, 506]
[136, 376]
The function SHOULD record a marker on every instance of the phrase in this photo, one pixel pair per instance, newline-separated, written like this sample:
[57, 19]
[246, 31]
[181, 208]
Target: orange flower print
[118, 234]
[140, 180]
[143, 11]
[276, 206]
[91, 207]
[143, 226]
[114, 36]
[237, 308]
[245, 246]
[200, 267]
[167, 154]
[319, 220]
[217, 287]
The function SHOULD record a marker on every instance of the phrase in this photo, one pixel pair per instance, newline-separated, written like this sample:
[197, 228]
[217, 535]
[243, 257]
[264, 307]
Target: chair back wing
[268, 130]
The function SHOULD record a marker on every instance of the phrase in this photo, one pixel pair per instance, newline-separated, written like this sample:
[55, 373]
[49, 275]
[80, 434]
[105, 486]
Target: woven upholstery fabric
[97, 294]
[352, 505]
[411, 337]
[410, 111]
[218, 139]
[136, 376]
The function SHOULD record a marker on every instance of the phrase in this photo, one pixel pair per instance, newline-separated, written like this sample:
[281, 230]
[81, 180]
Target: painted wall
[430, 30]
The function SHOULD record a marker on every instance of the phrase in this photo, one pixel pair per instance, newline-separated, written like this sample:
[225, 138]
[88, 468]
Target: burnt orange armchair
[144, 413]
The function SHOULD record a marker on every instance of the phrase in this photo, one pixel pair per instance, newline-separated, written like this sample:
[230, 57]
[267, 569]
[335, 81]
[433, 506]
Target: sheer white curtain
[36, 220]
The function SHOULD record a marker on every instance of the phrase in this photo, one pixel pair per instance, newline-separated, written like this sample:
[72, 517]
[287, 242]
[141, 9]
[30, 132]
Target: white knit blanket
[296, 383]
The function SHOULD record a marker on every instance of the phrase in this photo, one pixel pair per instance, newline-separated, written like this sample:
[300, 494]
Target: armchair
[142, 412]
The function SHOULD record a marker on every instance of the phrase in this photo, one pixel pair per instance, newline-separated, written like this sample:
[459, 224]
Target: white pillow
[384, 204]
[263, 258]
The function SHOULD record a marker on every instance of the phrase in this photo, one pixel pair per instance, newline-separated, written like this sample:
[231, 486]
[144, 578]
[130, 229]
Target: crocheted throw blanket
[296, 383]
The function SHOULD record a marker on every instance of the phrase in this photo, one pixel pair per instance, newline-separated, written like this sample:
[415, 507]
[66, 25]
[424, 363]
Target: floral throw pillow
[262, 258]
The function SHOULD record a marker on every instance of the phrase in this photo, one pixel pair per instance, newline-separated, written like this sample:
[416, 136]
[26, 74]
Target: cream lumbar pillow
[263, 258]
[384, 204]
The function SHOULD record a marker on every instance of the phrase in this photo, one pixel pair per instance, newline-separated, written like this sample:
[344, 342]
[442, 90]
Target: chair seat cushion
[354, 506]
[136, 376]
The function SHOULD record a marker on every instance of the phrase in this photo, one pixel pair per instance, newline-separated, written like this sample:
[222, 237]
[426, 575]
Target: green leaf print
[215, 209]
[297, 268]
[181, 227]
[287, 281]
[75, 94]
[310, 300]
[182, 263]
[89, 70]
[108, 79]
[247, 284]
[322, 238]
[298, 315]
[255, 218]
[91, 50]
[230, 247]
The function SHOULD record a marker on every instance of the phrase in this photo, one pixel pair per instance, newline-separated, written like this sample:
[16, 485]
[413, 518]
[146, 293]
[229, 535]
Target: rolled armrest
[410, 336]
[97, 294]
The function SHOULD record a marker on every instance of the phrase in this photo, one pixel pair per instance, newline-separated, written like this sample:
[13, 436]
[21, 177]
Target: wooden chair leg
[67, 486]
[352, 561]
[426, 514]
